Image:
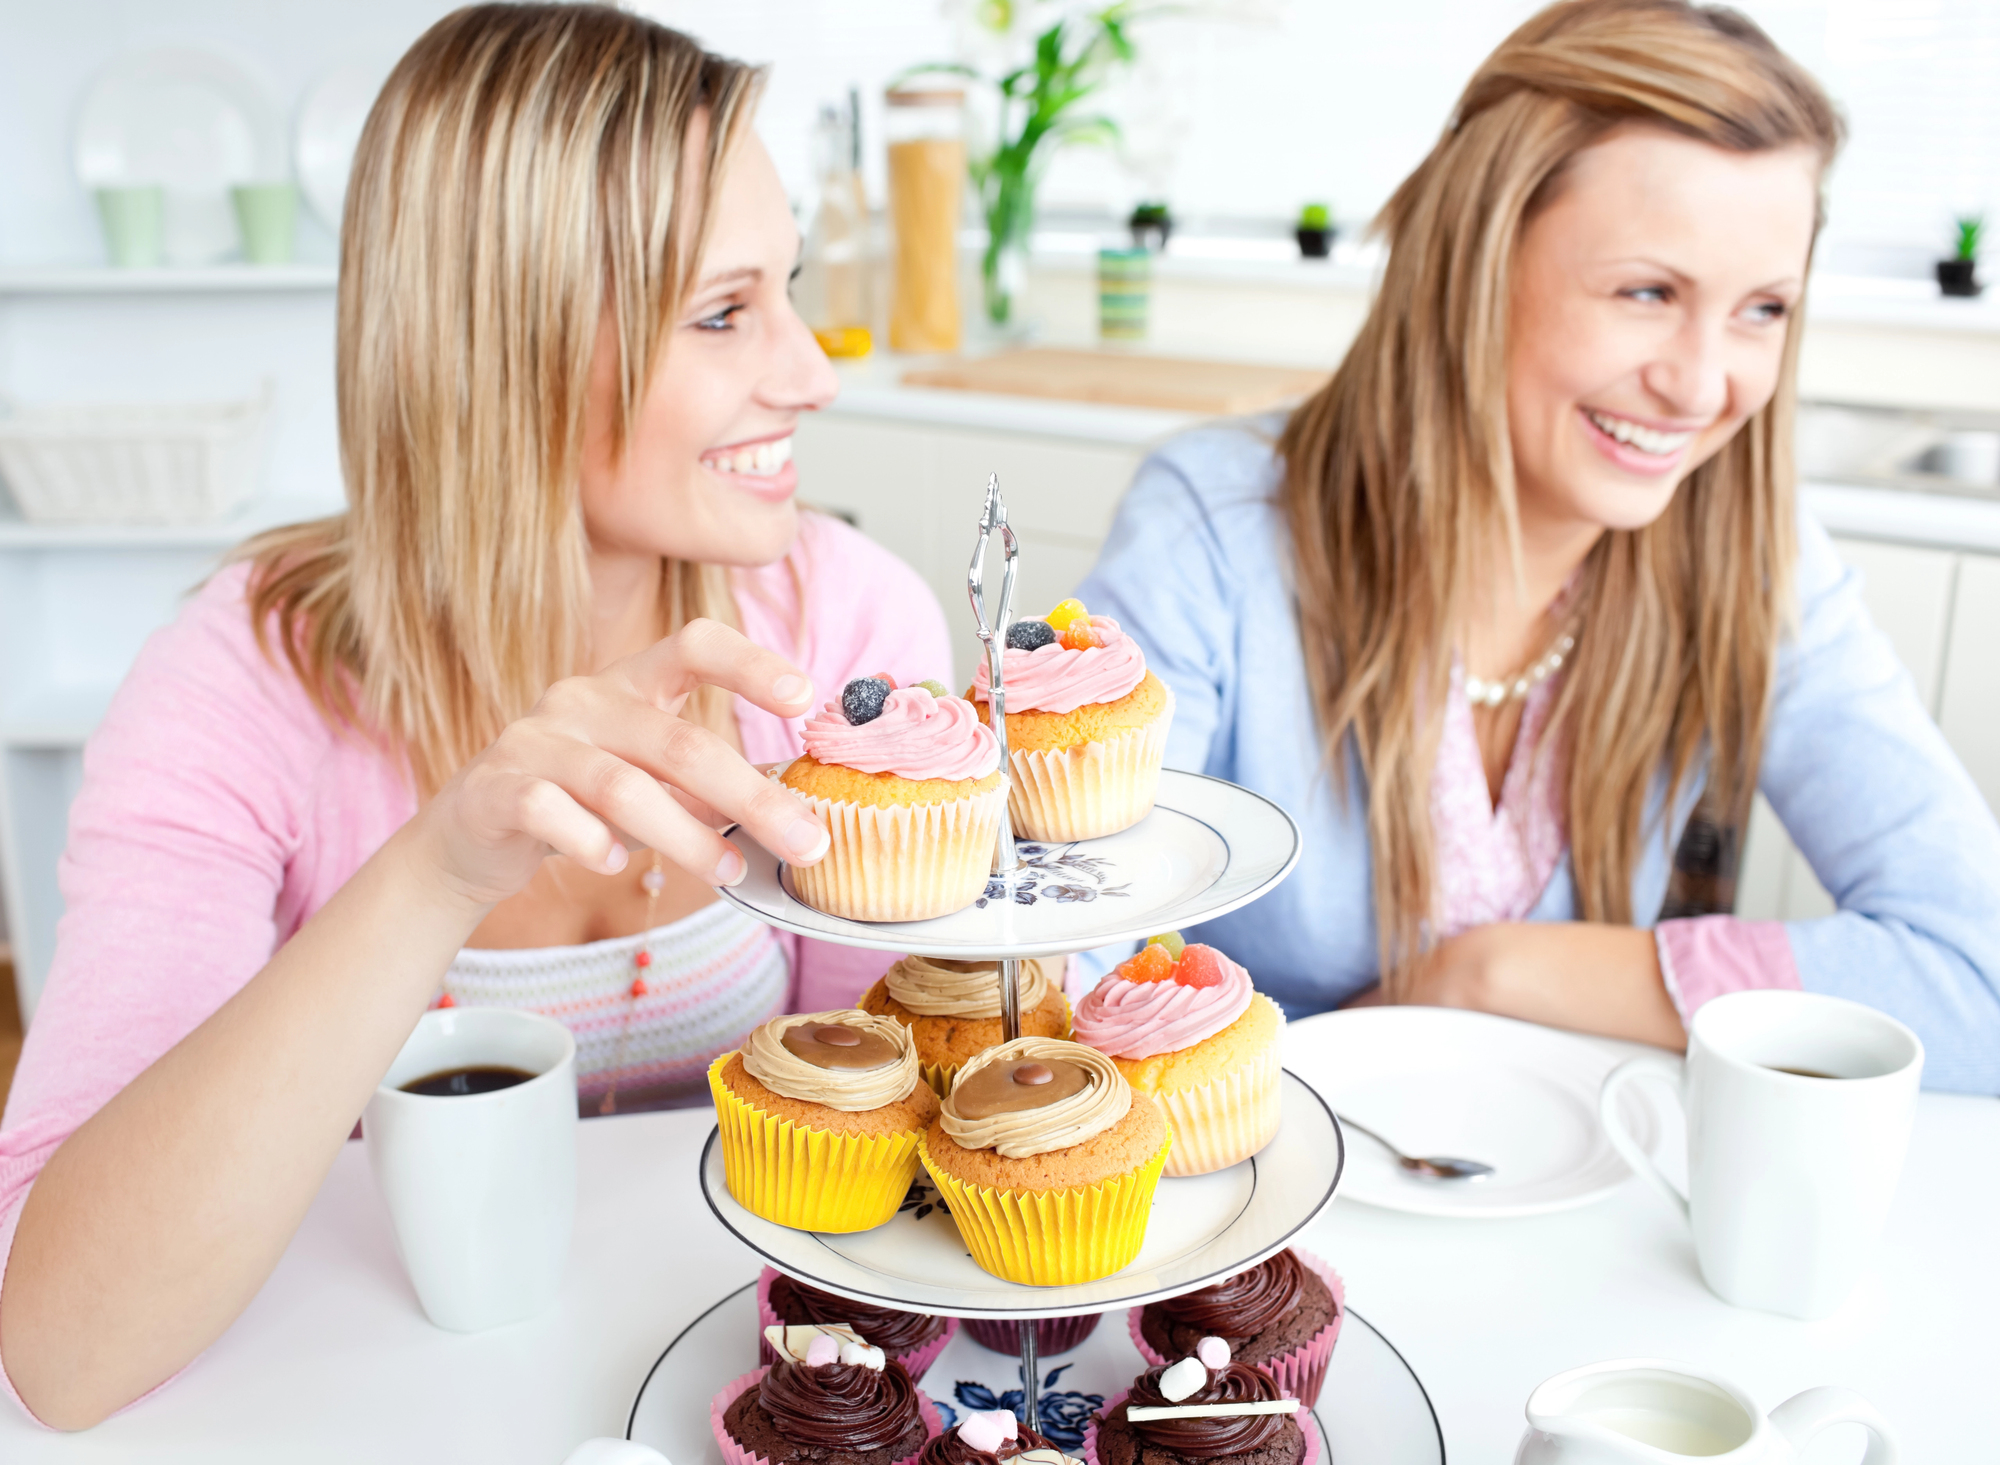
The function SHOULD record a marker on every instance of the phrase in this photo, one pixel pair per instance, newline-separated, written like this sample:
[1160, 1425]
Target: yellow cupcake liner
[1092, 789]
[940, 1075]
[1052, 1238]
[809, 1179]
[1227, 1119]
[902, 862]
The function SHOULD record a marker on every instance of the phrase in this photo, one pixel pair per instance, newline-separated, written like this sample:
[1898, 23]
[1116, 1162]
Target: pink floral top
[1494, 863]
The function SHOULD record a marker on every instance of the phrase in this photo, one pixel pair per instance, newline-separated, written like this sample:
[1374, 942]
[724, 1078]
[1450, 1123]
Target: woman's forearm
[155, 1223]
[1567, 974]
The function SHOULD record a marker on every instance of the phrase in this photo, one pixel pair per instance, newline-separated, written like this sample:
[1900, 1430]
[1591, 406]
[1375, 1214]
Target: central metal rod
[993, 633]
[1031, 1381]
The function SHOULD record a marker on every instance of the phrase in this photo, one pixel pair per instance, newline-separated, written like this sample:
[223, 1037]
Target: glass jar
[925, 130]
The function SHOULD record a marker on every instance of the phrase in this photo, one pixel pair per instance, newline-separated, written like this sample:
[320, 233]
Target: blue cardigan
[1197, 567]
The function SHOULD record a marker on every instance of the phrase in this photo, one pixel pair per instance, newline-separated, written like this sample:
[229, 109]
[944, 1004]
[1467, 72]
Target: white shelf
[17, 533]
[54, 717]
[234, 279]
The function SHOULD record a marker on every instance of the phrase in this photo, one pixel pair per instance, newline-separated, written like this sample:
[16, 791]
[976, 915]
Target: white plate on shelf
[329, 129]
[1207, 848]
[1444, 1081]
[1203, 1228]
[193, 122]
[1372, 1408]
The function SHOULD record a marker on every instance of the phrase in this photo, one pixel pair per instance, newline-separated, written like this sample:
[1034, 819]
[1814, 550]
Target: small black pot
[1315, 243]
[1151, 231]
[1955, 276]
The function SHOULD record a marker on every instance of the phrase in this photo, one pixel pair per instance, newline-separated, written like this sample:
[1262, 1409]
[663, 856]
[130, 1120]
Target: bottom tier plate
[1372, 1408]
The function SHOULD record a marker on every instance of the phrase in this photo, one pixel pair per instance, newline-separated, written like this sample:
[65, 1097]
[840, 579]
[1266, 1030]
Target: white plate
[329, 129]
[1203, 1228]
[194, 123]
[1372, 1409]
[1442, 1081]
[1207, 848]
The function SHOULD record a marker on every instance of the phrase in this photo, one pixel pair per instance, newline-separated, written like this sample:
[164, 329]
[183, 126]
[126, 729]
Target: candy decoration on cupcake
[908, 784]
[993, 1437]
[1086, 725]
[1184, 1024]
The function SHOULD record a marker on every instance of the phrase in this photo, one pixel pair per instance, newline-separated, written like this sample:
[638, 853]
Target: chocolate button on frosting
[833, 1045]
[1008, 1088]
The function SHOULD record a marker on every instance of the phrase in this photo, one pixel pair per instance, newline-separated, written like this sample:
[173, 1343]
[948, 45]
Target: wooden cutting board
[1219, 388]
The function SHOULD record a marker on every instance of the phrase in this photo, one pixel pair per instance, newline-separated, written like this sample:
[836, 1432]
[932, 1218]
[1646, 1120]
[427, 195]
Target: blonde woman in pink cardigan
[426, 751]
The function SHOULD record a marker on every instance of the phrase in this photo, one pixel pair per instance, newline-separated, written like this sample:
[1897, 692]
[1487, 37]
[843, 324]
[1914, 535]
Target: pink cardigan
[218, 812]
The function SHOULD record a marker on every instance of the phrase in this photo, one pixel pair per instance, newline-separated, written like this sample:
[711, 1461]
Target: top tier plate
[1207, 848]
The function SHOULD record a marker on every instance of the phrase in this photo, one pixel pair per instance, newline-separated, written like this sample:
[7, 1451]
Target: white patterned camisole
[714, 976]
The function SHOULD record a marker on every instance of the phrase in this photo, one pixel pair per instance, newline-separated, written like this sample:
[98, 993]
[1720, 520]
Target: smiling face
[1649, 308]
[707, 472]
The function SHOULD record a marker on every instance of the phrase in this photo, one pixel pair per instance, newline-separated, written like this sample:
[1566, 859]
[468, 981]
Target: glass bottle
[834, 281]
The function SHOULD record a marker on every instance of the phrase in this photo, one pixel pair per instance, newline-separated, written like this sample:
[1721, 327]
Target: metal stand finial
[993, 633]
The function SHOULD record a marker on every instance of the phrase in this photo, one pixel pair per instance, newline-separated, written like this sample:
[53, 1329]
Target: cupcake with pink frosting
[1184, 1025]
[1086, 725]
[907, 782]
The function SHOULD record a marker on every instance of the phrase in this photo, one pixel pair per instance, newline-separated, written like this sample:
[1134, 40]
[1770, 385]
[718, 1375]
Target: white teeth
[759, 459]
[1645, 439]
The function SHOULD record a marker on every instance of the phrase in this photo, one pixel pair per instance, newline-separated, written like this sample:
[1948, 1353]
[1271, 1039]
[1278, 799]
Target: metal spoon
[1434, 1167]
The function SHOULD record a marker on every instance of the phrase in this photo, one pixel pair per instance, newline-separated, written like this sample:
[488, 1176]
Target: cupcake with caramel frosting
[1047, 1161]
[907, 782]
[820, 1116]
[952, 1008]
[830, 1399]
[1086, 725]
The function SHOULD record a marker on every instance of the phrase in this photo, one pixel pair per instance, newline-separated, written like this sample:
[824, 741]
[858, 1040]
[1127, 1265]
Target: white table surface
[334, 1361]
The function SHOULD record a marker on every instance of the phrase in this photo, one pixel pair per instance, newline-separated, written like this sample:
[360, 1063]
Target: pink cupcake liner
[1052, 1334]
[1299, 1373]
[735, 1454]
[1308, 1428]
[916, 1360]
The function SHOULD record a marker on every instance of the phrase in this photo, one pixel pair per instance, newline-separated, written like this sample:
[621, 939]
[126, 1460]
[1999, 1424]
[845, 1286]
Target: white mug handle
[1802, 1416]
[1656, 1064]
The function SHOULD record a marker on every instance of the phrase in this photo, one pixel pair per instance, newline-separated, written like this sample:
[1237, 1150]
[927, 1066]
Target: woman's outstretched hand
[604, 763]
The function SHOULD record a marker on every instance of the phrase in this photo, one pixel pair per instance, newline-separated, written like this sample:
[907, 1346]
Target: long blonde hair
[524, 169]
[1398, 476]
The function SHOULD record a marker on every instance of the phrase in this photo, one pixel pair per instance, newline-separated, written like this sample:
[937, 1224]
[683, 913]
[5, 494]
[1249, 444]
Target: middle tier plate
[1203, 1228]
[1208, 847]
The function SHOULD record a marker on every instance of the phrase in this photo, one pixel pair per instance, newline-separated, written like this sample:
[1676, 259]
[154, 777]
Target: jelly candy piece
[1030, 635]
[1152, 964]
[1171, 940]
[1199, 966]
[1062, 615]
[862, 699]
[936, 689]
[1079, 635]
[883, 676]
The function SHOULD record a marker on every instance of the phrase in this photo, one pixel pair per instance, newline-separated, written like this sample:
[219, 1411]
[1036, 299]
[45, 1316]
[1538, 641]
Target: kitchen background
[1234, 115]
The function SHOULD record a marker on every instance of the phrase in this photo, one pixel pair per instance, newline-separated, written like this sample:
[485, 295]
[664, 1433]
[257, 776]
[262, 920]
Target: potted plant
[1151, 226]
[1315, 231]
[1957, 275]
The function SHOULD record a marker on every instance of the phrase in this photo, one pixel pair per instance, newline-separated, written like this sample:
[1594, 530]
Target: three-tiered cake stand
[1208, 847]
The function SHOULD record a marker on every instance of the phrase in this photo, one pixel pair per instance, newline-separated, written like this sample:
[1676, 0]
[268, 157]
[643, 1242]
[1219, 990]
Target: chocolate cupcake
[1053, 1335]
[992, 1437]
[831, 1399]
[1282, 1315]
[1212, 1378]
[910, 1338]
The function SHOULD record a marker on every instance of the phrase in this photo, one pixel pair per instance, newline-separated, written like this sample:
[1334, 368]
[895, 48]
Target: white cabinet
[1941, 611]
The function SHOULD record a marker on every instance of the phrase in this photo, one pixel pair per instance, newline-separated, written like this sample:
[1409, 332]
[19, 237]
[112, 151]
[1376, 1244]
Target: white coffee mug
[1647, 1411]
[481, 1187]
[1799, 1109]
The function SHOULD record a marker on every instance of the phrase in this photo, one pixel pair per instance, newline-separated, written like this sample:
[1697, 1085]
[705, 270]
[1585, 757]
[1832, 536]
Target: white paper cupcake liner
[1092, 789]
[1227, 1119]
[903, 862]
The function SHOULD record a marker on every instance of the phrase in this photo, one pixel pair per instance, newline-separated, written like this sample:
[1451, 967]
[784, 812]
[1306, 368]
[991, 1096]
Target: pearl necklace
[1482, 693]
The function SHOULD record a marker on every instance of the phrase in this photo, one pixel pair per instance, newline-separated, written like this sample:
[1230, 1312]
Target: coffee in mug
[1799, 1109]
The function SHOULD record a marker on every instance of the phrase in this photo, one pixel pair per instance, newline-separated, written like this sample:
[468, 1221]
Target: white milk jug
[1646, 1411]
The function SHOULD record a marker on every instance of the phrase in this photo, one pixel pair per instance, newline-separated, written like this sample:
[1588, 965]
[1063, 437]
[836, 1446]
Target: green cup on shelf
[1124, 293]
[266, 217]
[134, 221]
